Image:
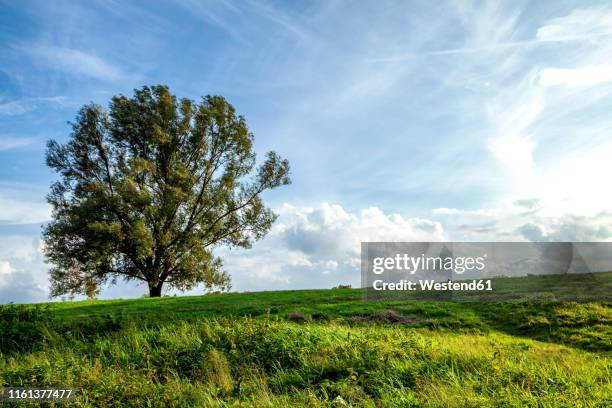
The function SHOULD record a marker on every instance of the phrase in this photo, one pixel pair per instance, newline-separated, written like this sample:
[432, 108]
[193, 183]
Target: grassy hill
[314, 348]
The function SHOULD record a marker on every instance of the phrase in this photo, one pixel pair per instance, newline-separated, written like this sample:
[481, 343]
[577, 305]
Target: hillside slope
[311, 348]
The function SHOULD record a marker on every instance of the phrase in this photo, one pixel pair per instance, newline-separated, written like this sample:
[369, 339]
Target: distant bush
[349, 286]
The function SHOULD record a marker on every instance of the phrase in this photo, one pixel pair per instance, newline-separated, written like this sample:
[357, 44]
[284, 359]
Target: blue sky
[402, 120]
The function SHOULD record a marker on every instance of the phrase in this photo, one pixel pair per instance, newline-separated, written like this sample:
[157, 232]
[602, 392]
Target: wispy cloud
[25, 105]
[537, 103]
[579, 24]
[282, 19]
[494, 48]
[10, 142]
[74, 61]
[14, 211]
[579, 27]
[244, 21]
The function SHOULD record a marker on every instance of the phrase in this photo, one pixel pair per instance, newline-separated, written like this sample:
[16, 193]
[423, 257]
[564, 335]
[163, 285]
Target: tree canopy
[148, 189]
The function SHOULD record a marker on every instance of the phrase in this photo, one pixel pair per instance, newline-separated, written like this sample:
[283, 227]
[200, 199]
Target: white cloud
[14, 211]
[25, 105]
[455, 211]
[23, 273]
[527, 219]
[75, 61]
[312, 247]
[366, 83]
[8, 142]
[578, 184]
[514, 151]
[528, 138]
[576, 77]
[579, 24]
[5, 268]
[329, 267]
[492, 29]
[320, 246]
[330, 230]
[512, 113]
[244, 20]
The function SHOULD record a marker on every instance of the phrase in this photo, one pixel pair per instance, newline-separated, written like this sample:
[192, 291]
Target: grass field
[312, 348]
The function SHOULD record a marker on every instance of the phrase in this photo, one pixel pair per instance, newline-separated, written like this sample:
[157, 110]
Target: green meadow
[314, 348]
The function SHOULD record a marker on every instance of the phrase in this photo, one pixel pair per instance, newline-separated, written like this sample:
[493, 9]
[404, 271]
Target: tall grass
[431, 355]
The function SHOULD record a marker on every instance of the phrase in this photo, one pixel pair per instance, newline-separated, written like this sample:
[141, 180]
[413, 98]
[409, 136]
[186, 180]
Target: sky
[402, 120]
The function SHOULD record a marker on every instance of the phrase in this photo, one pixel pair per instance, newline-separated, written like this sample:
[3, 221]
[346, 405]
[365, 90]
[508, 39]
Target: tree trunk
[155, 289]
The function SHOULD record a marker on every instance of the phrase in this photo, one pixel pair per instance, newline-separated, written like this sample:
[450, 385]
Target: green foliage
[148, 189]
[22, 326]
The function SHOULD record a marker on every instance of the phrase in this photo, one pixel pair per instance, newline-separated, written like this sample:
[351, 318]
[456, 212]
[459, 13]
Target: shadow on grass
[580, 325]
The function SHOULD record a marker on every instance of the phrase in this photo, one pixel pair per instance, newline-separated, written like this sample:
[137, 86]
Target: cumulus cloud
[533, 232]
[523, 220]
[5, 269]
[23, 273]
[570, 228]
[311, 247]
[330, 229]
[320, 246]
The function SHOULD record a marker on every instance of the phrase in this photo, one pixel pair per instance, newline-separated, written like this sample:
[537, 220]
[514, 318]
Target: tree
[150, 188]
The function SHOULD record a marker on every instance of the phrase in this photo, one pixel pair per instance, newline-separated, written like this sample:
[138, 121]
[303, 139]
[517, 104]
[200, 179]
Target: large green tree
[149, 188]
